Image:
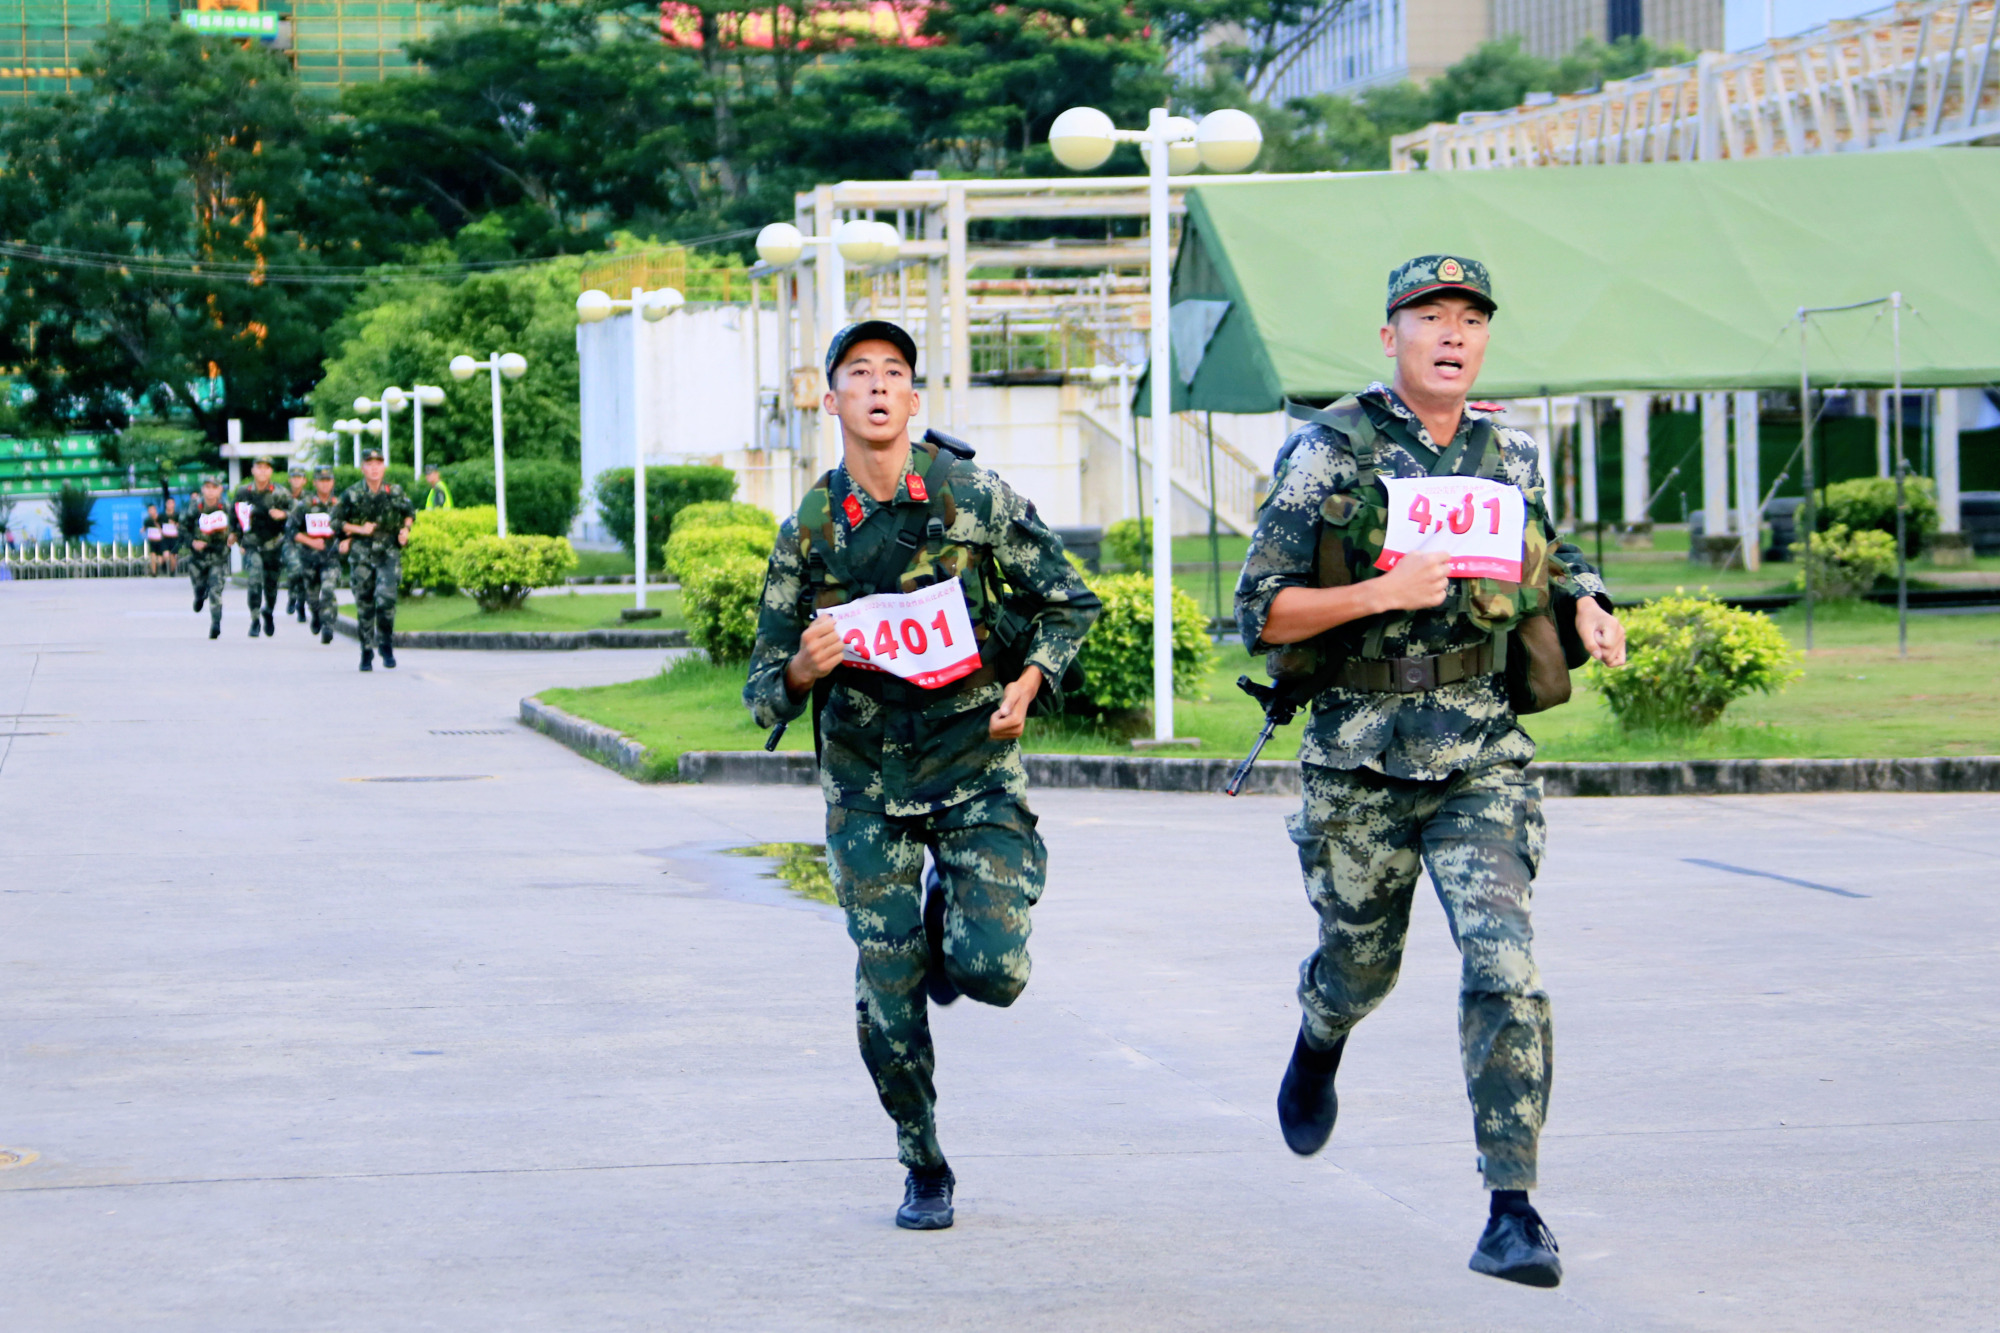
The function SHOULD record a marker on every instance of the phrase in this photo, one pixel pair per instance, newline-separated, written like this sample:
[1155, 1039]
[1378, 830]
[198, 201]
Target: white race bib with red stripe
[1480, 522]
[243, 511]
[319, 525]
[924, 637]
[214, 521]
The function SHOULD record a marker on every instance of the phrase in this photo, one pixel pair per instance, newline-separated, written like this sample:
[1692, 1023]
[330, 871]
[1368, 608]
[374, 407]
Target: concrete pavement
[344, 1002]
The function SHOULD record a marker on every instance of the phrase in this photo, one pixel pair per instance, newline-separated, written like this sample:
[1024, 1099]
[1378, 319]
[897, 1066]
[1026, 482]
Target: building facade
[1366, 44]
[1552, 28]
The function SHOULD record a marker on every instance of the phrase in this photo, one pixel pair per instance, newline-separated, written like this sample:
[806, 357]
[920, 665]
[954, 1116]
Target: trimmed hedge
[1867, 503]
[721, 599]
[499, 572]
[691, 549]
[1844, 564]
[434, 542]
[543, 494]
[1687, 658]
[727, 514]
[1117, 656]
[668, 491]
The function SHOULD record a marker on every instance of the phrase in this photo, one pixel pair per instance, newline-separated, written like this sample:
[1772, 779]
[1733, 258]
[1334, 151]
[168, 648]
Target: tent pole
[1902, 562]
[1805, 452]
[1214, 539]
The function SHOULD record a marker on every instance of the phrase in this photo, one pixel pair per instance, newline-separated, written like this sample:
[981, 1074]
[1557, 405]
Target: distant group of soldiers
[297, 537]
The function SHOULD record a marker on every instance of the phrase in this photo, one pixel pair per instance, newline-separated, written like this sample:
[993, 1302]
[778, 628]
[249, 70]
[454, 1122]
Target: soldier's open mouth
[878, 414]
[1446, 363]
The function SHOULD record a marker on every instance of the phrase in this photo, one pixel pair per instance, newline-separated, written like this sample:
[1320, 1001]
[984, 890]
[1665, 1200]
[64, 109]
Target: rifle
[1290, 690]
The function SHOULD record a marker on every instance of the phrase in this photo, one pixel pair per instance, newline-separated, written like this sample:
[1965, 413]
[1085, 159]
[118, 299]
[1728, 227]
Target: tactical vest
[1354, 525]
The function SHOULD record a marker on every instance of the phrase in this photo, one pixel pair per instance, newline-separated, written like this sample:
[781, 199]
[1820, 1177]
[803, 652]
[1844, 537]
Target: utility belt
[1415, 675]
[892, 692]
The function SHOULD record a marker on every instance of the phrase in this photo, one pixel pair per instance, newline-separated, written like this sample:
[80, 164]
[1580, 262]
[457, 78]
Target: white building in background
[1366, 44]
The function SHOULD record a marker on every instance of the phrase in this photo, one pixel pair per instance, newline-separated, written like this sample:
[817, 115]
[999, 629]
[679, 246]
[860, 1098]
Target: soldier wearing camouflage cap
[373, 519]
[294, 573]
[1413, 754]
[211, 529]
[313, 541]
[261, 511]
[924, 764]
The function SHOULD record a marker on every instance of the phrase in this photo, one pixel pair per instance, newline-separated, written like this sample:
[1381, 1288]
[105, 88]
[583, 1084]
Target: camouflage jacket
[216, 543]
[388, 509]
[913, 760]
[263, 530]
[1467, 725]
[295, 526]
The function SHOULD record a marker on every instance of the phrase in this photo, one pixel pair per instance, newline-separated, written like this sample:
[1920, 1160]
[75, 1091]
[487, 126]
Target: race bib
[152, 534]
[170, 529]
[214, 521]
[924, 637]
[319, 525]
[243, 511]
[1478, 521]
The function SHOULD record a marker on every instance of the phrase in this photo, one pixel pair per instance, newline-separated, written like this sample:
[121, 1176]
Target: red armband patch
[915, 485]
[852, 508]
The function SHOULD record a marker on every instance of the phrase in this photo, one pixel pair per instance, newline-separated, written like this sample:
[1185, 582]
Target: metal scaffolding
[43, 41]
[1915, 75]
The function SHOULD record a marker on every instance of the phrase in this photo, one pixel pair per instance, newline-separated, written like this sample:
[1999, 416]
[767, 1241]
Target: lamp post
[357, 429]
[421, 397]
[1228, 140]
[591, 308]
[513, 365]
[856, 241]
[393, 399]
[321, 439]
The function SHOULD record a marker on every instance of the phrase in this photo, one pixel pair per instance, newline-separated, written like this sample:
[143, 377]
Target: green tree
[406, 333]
[180, 218]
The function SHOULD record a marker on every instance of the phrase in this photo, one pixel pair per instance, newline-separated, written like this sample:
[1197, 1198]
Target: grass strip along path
[1857, 699]
[546, 610]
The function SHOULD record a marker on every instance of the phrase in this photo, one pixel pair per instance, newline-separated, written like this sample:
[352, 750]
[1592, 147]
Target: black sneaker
[926, 1199]
[270, 622]
[367, 659]
[1307, 1104]
[1518, 1247]
[936, 983]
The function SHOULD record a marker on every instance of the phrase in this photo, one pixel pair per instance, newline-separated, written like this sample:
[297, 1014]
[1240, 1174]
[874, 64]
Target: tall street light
[393, 399]
[1228, 140]
[421, 397]
[513, 365]
[856, 241]
[593, 307]
[357, 429]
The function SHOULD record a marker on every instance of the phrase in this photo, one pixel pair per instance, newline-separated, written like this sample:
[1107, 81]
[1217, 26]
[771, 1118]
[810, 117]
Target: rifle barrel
[1243, 769]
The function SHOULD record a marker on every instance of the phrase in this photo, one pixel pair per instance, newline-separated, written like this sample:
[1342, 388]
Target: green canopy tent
[1670, 277]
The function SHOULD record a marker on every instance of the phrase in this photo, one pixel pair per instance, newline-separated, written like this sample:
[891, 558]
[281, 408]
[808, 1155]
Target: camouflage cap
[867, 330]
[371, 455]
[212, 479]
[323, 473]
[262, 460]
[1427, 275]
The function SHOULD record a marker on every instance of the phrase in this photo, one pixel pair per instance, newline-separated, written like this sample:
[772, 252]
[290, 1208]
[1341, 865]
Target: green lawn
[596, 564]
[545, 610]
[1856, 699]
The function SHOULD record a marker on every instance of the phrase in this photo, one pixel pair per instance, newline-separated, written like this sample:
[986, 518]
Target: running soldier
[375, 519]
[294, 572]
[210, 530]
[930, 761]
[261, 511]
[310, 538]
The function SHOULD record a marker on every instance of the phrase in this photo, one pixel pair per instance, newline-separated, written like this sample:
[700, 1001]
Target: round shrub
[727, 514]
[1844, 564]
[691, 548]
[543, 494]
[1117, 656]
[1129, 541]
[721, 599]
[1870, 503]
[434, 541]
[668, 491]
[1687, 658]
[499, 572]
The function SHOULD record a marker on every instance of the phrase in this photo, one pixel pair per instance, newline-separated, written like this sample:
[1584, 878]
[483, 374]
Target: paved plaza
[344, 1002]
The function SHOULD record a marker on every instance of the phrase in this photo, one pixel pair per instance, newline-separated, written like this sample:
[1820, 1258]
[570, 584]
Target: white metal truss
[1915, 75]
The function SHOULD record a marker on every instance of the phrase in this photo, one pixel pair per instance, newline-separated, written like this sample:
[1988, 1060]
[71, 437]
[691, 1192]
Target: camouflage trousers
[375, 573]
[319, 574]
[992, 866]
[1361, 837]
[294, 570]
[210, 575]
[260, 566]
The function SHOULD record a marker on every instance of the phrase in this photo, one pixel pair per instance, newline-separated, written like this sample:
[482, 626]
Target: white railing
[73, 560]
[1915, 75]
[1237, 485]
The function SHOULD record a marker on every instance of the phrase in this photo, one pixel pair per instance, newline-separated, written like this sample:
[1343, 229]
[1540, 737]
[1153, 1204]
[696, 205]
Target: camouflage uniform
[294, 573]
[319, 571]
[1436, 777]
[904, 768]
[374, 563]
[263, 542]
[208, 570]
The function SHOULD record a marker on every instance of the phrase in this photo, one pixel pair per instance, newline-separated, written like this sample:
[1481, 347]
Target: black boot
[1306, 1101]
[367, 659]
[385, 634]
[200, 597]
[256, 626]
[927, 1199]
[215, 629]
[270, 622]
[1517, 1246]
[937, 984]
[326, 630]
